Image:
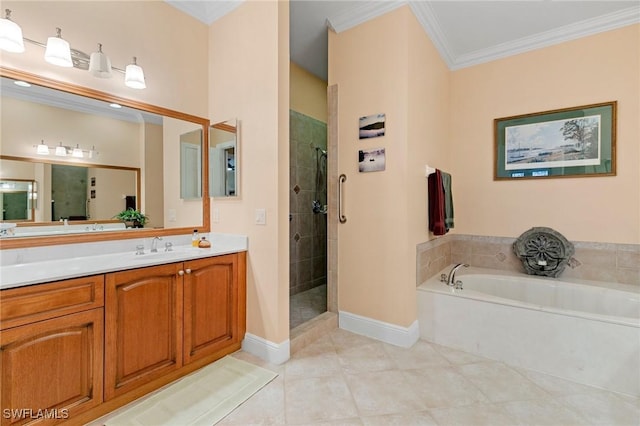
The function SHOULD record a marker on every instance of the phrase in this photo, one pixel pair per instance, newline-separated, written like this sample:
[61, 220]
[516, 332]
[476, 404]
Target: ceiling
[464, 32]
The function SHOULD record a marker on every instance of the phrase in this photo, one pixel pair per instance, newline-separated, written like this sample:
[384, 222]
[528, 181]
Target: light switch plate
[261, 217]
[215, 215]
[171, 215]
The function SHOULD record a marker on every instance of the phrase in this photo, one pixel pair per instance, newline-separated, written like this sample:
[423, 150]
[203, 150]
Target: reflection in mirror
[191, 165]
[92, 155]
[18, 198]
[223, 159]
[77, 191]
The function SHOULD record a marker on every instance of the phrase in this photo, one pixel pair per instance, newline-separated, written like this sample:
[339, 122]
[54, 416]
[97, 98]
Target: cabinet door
[143, 314]
[52, 369]
[211, 314]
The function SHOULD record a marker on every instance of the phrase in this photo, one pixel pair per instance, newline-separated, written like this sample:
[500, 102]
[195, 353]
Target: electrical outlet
[215, 215]
[261, 217]
[171, 215]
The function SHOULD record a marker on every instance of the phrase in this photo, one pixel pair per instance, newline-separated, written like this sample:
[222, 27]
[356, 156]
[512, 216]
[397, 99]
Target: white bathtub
[580, 332]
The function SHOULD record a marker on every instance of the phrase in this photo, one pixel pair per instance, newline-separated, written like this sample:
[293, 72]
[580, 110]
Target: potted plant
[133, 218]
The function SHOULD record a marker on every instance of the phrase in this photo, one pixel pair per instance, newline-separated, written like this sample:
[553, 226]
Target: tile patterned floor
[347, 379]
[307, 305]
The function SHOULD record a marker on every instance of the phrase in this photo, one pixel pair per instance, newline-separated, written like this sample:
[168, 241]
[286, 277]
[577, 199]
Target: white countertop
[35, 272]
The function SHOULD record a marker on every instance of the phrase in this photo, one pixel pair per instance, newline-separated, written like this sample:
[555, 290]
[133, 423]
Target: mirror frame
[25, 242]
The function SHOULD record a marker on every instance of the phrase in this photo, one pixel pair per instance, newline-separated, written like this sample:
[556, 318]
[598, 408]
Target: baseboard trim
[389, 333]
[275, 353]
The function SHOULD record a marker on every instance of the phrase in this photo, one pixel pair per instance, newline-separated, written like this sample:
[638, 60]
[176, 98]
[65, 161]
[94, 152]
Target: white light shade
[58, 51]
[42, 149]
[10, 35]
[134, 76]
[100, 64]
[61, 151]
[77, 152]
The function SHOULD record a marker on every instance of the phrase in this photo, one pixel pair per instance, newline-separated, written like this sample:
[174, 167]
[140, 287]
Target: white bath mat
[201, 398]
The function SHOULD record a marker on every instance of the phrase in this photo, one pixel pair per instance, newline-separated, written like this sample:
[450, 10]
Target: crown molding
[362, 13]
[429, 21]
[206, 11]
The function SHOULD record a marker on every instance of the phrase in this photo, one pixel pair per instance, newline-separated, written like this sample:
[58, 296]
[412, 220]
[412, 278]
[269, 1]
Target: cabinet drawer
[19, 306]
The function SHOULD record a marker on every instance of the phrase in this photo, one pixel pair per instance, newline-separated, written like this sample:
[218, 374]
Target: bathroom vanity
[78, 348]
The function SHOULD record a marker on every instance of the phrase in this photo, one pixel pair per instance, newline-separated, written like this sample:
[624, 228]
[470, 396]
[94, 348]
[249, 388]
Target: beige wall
[249, 80]
[171, 46]
[308, 93]
[599, 68]
[389, 66]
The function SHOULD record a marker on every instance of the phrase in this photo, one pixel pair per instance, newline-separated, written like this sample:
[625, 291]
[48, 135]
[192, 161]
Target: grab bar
[341, 181]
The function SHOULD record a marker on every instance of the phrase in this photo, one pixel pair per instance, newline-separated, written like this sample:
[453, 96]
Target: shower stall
[307, 218]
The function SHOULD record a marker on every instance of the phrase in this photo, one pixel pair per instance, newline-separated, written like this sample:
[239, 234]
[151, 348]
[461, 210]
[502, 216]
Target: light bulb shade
[134, 77]
[58, 52]
[42, 149]
[100, 65]
[61, 151]
[77, 152]
[11, 36]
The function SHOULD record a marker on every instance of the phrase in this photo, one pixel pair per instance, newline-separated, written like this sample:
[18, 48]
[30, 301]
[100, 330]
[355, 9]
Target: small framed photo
[93, 181]
[372, 126]
[93, 193]
[570, 142]
[371, 160]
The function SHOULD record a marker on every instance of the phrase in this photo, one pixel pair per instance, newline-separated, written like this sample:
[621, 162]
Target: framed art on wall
[569, 142]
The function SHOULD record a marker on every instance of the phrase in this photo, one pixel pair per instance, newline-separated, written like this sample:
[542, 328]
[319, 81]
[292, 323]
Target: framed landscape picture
[570, 142]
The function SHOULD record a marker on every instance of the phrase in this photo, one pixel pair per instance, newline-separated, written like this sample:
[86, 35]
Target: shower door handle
[341, 181]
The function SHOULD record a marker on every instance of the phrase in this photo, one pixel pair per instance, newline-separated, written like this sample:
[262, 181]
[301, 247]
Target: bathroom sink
[177, 253]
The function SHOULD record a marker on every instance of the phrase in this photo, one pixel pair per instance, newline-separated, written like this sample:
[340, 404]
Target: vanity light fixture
[134, 76]
[77, 152]
[42, 149]
[58, 51]
[10, 34]
[61, 151]
[100, 64]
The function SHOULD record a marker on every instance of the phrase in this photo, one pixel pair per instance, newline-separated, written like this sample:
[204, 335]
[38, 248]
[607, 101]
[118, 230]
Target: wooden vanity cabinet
[51, 350]
[161, 318]
[213, 314]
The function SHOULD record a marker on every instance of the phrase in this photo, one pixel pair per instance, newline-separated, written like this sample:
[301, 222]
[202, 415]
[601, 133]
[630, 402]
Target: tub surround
[598, 262]
[587, 334]
[26, 266]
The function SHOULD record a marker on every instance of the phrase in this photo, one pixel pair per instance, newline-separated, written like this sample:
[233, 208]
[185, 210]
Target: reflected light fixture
[21, 83]
[134, 76]
[58, 51]
[77, 152]
[100, 64]
[42, 149]
[10, 35]
[61, 150]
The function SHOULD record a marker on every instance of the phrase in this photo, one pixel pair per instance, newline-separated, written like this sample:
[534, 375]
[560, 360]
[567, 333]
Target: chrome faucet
[450, 279]
[154, 244]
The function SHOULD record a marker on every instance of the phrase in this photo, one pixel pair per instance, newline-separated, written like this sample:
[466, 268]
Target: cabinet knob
[181, 272]
[188, 271]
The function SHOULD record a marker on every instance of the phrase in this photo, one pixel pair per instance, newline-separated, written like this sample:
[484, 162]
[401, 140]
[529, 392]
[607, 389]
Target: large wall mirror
[85, 156]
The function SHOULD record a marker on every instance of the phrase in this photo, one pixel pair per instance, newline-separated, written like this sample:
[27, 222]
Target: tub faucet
[450, 279]
[154, 244]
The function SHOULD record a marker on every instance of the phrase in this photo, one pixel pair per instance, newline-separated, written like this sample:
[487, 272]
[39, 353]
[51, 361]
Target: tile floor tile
[371, 357]
[422, 418]
[500, 383]
[264, 408]
[421, 354]
[542, 412]
[604, 409]
[456, 356]
[472, 415]
[383, 392]
[317, 399]
[443, 387]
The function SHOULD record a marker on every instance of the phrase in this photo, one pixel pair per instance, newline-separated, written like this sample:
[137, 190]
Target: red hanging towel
[436, 204]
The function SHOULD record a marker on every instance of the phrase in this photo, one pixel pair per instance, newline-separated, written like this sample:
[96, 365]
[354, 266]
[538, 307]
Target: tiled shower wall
[307, 230]
[608, 262]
